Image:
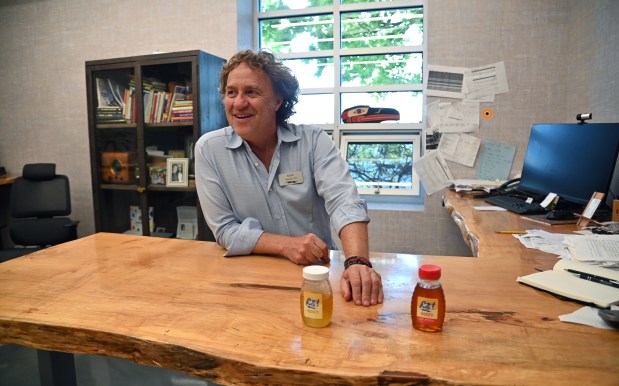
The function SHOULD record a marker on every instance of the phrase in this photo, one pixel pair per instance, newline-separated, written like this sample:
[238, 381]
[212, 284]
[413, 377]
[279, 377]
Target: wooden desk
[7, 180]
[479, 230]
[179, 304]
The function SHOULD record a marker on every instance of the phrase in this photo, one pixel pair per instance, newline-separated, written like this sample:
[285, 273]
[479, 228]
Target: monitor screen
[571, 160]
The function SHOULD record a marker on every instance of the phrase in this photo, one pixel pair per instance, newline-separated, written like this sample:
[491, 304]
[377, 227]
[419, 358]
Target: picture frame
[177, 173]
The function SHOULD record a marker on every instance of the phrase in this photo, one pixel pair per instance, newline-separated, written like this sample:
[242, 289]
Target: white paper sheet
[459, 148]
[587, 316]
[433, 172]
[453, 117]
[445, 81]
[484, 82]
[594, 248]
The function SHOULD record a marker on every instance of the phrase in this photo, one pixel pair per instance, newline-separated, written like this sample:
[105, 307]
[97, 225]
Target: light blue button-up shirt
[241, 199]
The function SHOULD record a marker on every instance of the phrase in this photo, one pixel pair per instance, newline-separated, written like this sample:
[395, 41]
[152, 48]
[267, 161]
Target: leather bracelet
[352, 260]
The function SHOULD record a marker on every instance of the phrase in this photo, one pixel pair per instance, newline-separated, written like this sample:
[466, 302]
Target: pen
[512, 232]
[594, 278]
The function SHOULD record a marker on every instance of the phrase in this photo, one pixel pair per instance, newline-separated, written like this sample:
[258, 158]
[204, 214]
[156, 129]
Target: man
[269, 187]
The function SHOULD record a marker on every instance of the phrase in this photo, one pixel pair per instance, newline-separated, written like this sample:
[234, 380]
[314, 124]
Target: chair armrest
[72, 224]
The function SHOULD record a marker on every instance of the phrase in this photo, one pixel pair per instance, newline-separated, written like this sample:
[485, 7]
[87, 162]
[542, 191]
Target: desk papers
[545, 241]
[588, 316]
[466, 185]
[560, 282]
[594, 248]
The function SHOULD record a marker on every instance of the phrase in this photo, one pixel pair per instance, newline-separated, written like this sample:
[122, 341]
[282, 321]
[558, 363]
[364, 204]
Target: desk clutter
[588, 271]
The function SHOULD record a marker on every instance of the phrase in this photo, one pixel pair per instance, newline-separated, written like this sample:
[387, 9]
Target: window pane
[276, 5]
[317, 72]
[372, 70]
[363, 1]
[314, 109]
[386, 28]
[408, 103]
[297, 34]
[384, 165]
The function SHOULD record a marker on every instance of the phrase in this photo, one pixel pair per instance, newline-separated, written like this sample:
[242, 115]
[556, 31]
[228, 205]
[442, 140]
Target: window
[382, 164]
[348, 53]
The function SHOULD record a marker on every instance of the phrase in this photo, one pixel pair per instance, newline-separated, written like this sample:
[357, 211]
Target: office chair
[37, 197]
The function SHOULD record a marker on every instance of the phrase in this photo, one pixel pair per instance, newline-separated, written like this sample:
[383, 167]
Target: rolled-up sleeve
[239, 238]
[335, 184]
[348, 214]
[244, 238]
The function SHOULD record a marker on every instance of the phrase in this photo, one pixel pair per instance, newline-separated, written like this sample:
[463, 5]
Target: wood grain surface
[180, 304]
[479, 230]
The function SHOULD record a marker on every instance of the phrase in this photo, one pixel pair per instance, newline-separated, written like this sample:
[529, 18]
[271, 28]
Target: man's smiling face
[251, 103]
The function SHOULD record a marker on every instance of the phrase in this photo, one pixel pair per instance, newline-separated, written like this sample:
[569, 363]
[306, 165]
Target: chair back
[36, 198]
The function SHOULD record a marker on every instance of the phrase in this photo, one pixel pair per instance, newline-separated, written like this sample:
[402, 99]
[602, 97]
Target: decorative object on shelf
[177, 153]
[367, 114]
[118, 167]
[135, 217]
[157, 175]
[187, 227]
[177, 172]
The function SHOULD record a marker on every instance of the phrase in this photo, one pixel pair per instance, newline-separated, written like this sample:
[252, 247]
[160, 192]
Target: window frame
[338, 129]
[415, 139]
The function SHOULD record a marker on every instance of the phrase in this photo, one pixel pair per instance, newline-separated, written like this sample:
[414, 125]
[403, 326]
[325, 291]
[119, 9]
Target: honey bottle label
[312, 305]
[427, 308]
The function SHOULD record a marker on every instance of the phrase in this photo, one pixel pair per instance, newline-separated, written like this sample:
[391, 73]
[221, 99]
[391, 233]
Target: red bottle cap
[429, 272]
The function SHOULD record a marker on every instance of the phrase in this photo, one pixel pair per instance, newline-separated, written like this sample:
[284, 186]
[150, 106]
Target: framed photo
[177, 173]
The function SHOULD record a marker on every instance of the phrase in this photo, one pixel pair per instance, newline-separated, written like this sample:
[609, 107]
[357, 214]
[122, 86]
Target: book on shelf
[579, 281]
[110, 114]
[181, 98]
[104, 94]
[114, 98]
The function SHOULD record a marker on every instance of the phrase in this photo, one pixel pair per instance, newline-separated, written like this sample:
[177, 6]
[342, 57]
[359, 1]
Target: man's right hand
[302, 250]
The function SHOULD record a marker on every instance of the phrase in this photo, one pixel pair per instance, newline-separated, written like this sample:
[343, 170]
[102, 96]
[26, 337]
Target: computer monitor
[571, 160]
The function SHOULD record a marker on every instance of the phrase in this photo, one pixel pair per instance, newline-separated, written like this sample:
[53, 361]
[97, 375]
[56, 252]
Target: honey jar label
[312, 305]
[427, 308]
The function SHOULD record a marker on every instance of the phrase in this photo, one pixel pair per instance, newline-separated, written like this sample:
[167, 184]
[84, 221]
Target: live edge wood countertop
[180, 304]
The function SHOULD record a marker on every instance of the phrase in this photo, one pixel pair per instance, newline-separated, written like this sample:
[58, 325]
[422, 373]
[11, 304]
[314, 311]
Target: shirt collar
[284, 134]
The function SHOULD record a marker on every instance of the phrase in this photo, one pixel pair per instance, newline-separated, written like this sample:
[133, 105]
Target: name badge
[290, 178]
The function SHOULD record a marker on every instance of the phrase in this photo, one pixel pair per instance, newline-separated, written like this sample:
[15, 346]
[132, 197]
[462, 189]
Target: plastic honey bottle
[428, 302]
[316, 296]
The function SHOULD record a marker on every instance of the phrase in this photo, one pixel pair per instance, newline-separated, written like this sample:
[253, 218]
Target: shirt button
[256, 164]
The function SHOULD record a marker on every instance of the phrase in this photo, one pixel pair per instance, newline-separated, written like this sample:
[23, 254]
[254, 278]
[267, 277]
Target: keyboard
[516, 205]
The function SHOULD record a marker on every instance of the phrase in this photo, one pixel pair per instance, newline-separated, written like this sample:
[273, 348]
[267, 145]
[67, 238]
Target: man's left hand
[362, 284]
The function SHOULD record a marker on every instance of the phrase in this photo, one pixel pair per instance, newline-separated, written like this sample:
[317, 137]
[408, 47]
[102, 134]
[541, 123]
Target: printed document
[594, 248]
[444, 81]
[433, 172]
[459, 148]
[453, 117]
[484, 82]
